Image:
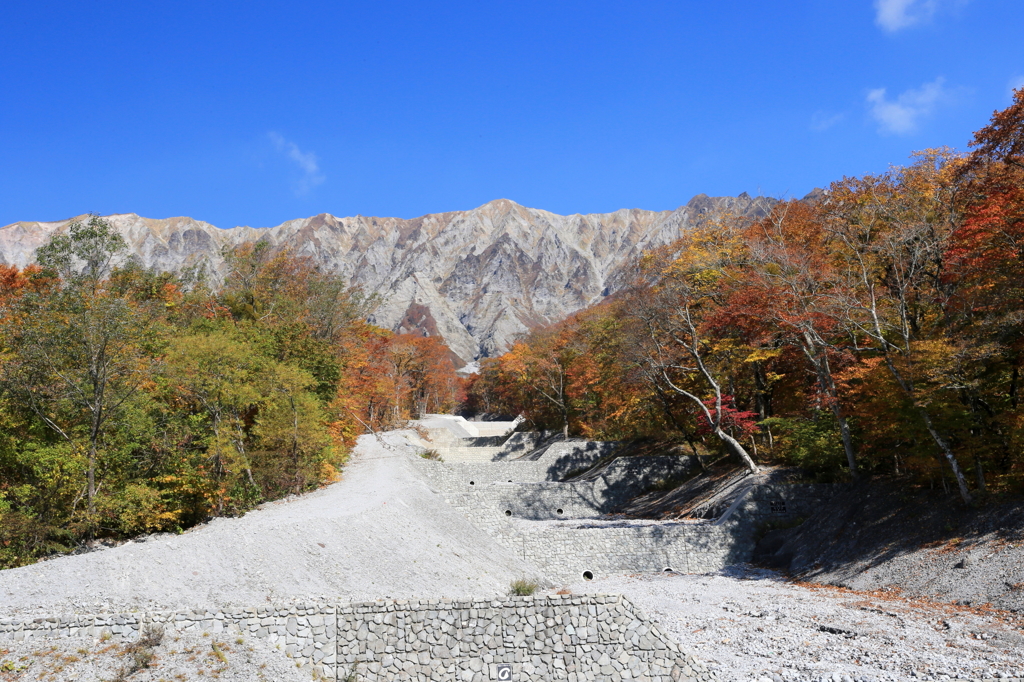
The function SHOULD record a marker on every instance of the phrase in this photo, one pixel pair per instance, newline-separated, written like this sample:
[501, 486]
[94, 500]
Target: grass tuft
[522, 588]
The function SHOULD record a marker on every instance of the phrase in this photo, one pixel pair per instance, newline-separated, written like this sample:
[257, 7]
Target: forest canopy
[134, 401]
[874, 328]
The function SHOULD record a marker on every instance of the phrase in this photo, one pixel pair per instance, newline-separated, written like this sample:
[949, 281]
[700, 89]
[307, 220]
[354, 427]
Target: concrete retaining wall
[565, 545]
[485, 492]
[461, 476]
[564, 550]
[611, 486]
[561, 637]
[569, 552]
[507, 499]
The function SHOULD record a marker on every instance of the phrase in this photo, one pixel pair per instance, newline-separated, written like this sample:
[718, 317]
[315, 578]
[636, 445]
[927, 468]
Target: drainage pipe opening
[558, 511]
[587, 575]
[508, 512]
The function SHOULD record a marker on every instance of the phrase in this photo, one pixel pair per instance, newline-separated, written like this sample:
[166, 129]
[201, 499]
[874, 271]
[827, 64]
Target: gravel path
[750, 624]
[378, 533]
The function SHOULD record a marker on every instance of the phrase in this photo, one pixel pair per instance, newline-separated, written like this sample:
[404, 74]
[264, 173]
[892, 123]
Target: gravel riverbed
[751, 624]
[381, 532]
[378, 533]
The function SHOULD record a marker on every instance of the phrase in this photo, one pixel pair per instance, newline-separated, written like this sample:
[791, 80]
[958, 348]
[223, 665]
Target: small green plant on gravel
[431, 454]
[522, 588]
[12, 667]
[218, 652]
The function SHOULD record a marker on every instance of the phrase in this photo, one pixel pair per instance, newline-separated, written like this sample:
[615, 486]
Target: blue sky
[252, 113]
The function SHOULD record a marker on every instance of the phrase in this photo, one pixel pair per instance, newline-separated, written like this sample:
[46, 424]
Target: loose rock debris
[751, 624]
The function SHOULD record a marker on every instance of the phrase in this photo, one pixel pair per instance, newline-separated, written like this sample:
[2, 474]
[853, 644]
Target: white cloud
[896, 15]
[305, 161]
[903, 114]
[822, 120]
[1016, 83]
[893, 15]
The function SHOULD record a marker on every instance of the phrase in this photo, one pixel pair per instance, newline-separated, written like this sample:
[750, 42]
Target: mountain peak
[499, 204]
[454, 274]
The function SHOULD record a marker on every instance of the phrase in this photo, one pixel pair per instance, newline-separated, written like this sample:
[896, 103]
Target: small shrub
[151, 636]
[431, 454]
[522, 588]
[140, 652]
[139, 509]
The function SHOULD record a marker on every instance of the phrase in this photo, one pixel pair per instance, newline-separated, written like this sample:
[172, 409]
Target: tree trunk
[736, 448]
[92, 478]
[908, 388]
[295, 444]
[819, 359]
[94, 437]
[958, 473]
[844, 431]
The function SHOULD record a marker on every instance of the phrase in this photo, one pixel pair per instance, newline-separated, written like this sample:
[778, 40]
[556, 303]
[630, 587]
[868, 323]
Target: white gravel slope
[177, 658]
[749, 624]
[378, 533]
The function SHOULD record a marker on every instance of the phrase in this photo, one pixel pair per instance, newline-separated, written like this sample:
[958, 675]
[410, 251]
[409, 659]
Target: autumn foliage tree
[874, 329]
[678, 305]
[134, 401]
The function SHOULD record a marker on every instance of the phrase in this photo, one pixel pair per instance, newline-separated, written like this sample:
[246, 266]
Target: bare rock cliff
[477, 278]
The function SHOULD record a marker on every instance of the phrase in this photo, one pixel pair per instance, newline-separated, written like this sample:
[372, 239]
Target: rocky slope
[917, 542]
[478, 278]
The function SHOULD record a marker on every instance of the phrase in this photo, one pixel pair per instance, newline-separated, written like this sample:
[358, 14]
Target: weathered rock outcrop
[478, 278]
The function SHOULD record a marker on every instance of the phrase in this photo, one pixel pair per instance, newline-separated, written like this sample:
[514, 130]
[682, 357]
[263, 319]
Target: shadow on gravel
[869, 526]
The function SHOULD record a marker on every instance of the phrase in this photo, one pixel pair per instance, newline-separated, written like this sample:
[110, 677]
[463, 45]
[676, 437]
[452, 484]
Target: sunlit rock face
[477, 278]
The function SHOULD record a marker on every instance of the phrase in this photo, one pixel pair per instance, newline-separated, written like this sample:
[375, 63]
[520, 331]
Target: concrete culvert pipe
[587, 575]
[558, 511]
[668, 569]
[508, 512]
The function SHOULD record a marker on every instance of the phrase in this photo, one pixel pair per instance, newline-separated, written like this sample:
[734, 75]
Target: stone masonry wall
[458, 476]
[575, 638]
[572, 551]
[560, 637]
[486, 503]
[564, 546]
[637, 471]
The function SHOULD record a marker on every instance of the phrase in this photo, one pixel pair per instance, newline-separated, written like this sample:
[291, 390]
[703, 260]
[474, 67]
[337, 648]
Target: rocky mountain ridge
[478, 278]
